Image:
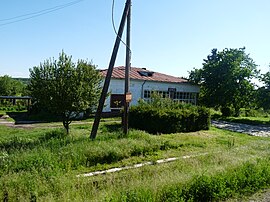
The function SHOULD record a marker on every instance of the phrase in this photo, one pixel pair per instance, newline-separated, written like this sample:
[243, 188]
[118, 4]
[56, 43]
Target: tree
[9, 86]
[225, 79]
[65, 88]
[263, 93]
[265, 78]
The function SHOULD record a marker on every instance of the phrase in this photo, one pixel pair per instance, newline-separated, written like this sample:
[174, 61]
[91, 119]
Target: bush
[227, 111]
[170, 119]
[253, 112]
[215, 113]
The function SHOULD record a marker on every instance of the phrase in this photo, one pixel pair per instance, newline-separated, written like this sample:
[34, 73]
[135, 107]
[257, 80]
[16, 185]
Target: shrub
[215, 113]
[253, 112]
[169, 119]
[227, 111]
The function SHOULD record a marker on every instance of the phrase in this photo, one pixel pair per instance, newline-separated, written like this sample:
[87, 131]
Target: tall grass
[244, 179]
[188, 182]
[42, 164]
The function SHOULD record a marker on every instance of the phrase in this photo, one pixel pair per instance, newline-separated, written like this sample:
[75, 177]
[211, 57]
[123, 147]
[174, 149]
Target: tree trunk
[66, 125]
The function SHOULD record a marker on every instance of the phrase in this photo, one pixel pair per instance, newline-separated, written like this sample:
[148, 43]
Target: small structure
[142, 83]
[14, 99]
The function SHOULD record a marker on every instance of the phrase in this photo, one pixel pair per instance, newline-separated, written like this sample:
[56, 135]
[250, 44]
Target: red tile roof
[143, 74]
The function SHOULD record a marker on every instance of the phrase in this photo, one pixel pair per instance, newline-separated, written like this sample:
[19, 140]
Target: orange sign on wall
[128, 97]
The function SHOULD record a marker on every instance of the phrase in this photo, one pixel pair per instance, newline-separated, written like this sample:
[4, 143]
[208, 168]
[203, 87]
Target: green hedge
[185, 118]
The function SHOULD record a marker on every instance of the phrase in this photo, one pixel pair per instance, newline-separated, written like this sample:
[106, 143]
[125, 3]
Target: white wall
[137, 88]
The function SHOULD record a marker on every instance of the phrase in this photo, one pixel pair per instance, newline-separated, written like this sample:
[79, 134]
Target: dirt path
[33, 124]
[4, 121]
[262, 196]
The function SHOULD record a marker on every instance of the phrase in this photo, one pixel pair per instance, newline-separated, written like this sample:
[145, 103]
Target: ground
[263, 196]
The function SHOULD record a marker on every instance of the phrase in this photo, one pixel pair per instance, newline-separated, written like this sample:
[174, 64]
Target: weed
[231, 143]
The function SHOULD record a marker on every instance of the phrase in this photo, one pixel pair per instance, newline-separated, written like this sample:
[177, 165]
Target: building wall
[137, 88]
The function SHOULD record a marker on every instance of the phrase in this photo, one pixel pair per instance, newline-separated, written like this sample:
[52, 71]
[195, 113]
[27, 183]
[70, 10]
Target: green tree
[265, 78]
[225, 79]
[65, 88]
[9, 86]
[263, 93]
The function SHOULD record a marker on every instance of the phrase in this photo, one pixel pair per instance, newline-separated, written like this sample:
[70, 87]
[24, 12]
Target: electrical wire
[114, 28]
[37, 13]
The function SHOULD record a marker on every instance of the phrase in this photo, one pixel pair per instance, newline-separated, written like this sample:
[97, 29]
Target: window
[177, 96]
[147, 94]
[146, 73]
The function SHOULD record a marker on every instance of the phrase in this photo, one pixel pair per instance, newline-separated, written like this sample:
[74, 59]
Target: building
[142, 83]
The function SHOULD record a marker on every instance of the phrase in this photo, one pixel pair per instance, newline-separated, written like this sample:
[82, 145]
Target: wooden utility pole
[127, 68]
[110, 70]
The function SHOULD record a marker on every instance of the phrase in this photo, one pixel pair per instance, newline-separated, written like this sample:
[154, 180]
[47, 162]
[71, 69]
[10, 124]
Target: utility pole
[110, 70]
[127, 80]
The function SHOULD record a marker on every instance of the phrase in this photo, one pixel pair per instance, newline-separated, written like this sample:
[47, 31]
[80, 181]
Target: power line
[114, 28]
[42, 11]
[37, 13]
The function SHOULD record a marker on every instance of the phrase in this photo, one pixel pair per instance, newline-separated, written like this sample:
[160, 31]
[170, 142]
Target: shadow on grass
[114, 127]
[26, 118]
[18, 143]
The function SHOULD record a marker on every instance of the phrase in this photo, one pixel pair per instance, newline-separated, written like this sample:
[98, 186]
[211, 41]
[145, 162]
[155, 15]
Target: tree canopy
[65, 88]
[263, 93]
[9, 86]
[225, 79]
[265, 78]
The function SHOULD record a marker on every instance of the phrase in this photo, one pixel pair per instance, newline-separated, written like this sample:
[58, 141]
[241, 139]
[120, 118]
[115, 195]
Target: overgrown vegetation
[243, 179]
[161, 115]
[42, 164]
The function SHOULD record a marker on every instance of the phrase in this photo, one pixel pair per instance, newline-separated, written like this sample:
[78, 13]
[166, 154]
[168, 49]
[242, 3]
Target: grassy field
[42, 164]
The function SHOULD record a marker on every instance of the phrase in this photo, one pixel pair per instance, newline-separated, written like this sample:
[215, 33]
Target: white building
[142, 83]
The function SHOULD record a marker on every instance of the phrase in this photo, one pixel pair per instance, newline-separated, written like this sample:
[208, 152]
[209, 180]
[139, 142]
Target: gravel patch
[261, 196]
[254, 130]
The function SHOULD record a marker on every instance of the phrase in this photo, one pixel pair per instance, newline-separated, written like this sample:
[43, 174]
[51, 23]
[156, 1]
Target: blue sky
[168, 36]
